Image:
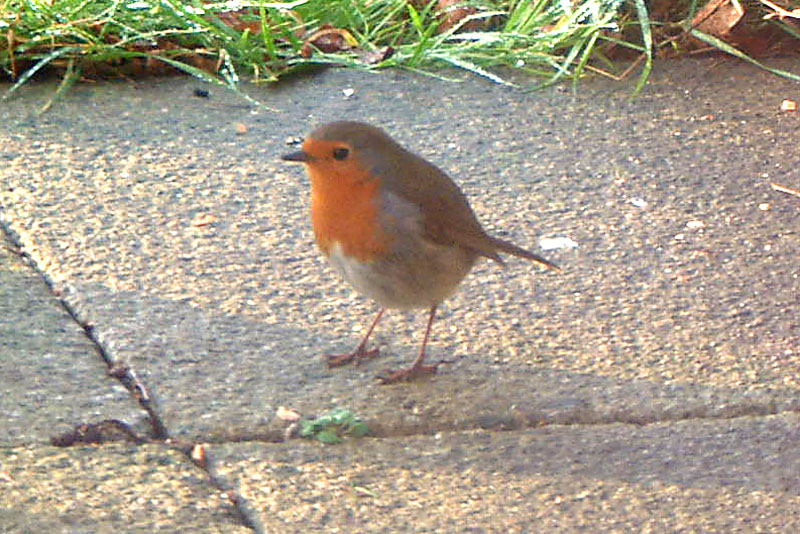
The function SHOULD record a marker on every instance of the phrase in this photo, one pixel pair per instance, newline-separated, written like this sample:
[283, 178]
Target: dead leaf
[372, 57]
[233, 19]
[328, 40]
[451, 12]
[718, 17]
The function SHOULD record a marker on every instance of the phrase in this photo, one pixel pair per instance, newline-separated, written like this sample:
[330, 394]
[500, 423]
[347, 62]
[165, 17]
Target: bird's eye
[340, 153]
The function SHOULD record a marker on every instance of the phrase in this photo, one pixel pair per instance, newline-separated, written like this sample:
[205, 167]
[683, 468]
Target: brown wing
[448, 218]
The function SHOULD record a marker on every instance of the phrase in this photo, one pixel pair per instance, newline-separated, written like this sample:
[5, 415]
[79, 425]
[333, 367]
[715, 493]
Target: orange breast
[344, 210]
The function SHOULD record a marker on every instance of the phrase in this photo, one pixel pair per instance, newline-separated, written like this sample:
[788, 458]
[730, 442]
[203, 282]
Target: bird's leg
[361, 352]
[418, 367]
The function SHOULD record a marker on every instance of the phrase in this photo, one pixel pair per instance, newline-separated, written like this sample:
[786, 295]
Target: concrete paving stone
[107, 490]
[721, 476]
[183, 243]
[218, 377]
[106, 192]
[678, 302]
[53, 377]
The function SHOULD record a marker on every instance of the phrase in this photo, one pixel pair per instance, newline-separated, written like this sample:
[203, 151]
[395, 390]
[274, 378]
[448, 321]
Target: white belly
[418, 279]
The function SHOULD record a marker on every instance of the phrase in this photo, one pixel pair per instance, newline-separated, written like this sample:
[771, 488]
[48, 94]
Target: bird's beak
[300, 156]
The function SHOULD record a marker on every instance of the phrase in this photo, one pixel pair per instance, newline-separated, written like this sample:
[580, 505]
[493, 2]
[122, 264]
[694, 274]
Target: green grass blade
[266, 34]
[587, 53]
[725, 47]
[791, 30]
[208, 78]
[70, 77]
[647, 39]
[473, 68]
[55, 54]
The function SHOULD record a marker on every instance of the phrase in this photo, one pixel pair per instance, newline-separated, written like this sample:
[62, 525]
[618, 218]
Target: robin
[393, 225]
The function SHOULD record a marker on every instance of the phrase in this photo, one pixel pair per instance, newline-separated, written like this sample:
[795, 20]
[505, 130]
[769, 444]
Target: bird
[394, 226]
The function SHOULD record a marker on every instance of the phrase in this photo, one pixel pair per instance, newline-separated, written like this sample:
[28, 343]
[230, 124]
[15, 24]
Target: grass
[266, 40]
[221, 42]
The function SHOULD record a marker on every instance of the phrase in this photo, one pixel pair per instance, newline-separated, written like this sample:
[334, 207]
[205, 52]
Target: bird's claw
[355, 357]
[410, 373]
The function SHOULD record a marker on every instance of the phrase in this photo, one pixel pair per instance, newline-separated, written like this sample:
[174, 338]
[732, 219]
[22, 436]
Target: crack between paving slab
[533, 420]
[115, 430]
[506, 423]
[199, 454]
[124, 374]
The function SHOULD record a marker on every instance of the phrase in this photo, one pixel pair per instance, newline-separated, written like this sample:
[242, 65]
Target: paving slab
[53, 376]
[684, 277]
[736, 475]
[109, 489]
[181, 245]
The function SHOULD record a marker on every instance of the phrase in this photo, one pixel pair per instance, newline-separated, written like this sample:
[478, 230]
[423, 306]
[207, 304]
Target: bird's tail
[511, 248]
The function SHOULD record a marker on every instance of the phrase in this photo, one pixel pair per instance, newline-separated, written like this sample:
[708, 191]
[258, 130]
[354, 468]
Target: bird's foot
[338, 360]
[410, 373]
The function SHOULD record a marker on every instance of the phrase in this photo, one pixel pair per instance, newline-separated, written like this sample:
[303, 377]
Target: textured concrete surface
[106, 490]
[693, 476]
[652, 386]
[53, 377]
